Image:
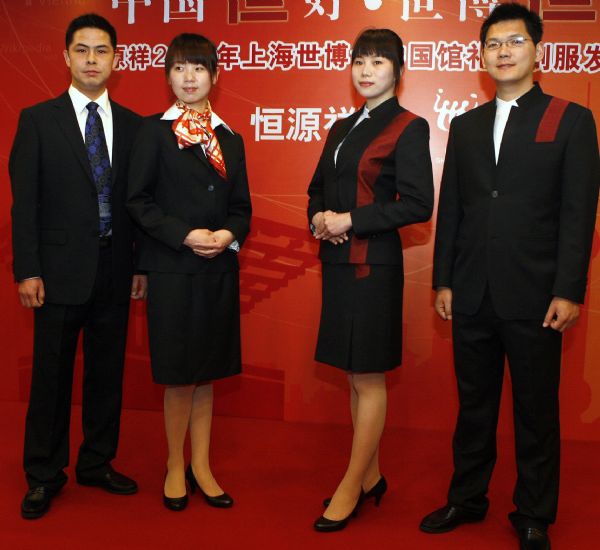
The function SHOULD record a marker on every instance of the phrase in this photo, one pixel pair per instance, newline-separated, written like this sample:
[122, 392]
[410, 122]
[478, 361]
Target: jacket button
[211, 187]
[494, 194]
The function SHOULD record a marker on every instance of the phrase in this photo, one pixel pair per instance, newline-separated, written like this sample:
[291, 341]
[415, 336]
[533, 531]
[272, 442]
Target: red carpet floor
[278, 473]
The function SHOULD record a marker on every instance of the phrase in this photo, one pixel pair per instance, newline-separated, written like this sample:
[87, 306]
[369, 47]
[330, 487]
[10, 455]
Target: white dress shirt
[80, 102]
[502, 112]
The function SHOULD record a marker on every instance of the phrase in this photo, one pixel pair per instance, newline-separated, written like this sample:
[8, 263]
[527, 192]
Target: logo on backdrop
[447, 110]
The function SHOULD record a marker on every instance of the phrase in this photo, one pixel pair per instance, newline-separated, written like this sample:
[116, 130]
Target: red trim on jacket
[369, 168]
[550, 122]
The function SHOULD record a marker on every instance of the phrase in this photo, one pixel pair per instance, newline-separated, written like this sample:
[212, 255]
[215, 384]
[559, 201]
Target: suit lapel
[193, 153]
[198, 152]
[228, 149]
[510, 131]
[65, 115]
[488, 116]
[118, 140]
[346, 129]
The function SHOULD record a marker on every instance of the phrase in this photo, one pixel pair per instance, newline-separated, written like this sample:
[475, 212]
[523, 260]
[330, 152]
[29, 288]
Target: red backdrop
[284, 80]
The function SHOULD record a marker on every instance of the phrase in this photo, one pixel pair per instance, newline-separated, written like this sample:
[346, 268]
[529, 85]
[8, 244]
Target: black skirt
[194, 326]
[361, 318]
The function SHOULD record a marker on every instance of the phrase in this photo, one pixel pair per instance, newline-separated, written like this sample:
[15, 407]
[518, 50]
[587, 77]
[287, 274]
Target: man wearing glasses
[514, 231]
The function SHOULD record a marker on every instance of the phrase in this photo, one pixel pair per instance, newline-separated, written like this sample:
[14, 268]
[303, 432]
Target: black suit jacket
[172, 191]
[524, 226]
[55, 203]
[382, 177]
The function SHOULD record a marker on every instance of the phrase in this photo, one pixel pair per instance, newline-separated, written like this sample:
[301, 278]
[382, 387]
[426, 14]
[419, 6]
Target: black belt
[105, 242]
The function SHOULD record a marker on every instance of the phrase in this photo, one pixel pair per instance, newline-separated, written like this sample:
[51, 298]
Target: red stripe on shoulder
[369, 168]
[551, 120]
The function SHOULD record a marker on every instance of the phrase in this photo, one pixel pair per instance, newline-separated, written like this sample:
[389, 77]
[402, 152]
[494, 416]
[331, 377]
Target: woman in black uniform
[189, 194]
[374, 176]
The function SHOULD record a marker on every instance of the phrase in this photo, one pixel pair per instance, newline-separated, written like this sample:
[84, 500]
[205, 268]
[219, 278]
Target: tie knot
[92, 106]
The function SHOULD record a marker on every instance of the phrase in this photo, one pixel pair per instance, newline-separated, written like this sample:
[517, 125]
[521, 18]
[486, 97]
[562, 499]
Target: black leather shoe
[177, 504]
[325, 525]
[531, 538]
[36, 502]
[110, 481]
[447, 518]
[220, 501]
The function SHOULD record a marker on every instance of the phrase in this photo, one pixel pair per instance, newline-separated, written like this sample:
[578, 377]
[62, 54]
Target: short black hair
[91, 21]
[383, 43]
[512, 11]
[192, 48]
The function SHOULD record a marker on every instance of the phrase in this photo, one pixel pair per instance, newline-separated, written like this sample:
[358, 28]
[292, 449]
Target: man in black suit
[514, 232]
[73, 262]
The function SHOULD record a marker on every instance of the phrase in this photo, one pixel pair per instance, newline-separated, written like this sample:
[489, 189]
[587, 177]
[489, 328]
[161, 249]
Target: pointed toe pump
[220, 501]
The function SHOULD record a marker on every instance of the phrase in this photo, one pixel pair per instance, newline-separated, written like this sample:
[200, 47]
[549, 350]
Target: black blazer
[523, 227]
[382, 177]
[172, 191]
[55, 203]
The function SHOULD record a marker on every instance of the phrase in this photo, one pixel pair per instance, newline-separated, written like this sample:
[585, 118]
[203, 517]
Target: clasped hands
[332, 226]
[208, 244]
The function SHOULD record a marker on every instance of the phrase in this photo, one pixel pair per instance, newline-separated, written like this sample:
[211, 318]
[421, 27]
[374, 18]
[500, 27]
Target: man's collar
[80, 100]
[531, 96]
[501, 103]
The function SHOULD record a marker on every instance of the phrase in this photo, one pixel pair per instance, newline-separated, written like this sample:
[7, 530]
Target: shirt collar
[523, 100]
[173, 112]
[502, 105]
[80, 100]
[364, 113]
[530, 97]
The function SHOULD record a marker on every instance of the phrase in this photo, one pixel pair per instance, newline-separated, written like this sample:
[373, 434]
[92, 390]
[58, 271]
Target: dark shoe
[220, 501]
[531, 538]
[36, 502]
[176, 504]
[324, 525]
[110, 481]
[447, 518]
[376, 492]
[327, 501]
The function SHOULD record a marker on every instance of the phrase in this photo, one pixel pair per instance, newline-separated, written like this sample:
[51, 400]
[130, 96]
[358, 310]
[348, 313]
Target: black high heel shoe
[327, 501]
[377, 491]
[177, 504]
[220, 501]
[324, 525]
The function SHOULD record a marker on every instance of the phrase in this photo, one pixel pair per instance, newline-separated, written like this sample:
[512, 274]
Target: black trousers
[56, 331]
[481, 343]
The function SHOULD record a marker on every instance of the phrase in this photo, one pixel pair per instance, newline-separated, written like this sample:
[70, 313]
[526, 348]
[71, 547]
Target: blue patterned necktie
[97, 151]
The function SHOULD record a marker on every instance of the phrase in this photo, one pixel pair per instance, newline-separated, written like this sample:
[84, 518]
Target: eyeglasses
[514, 42]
